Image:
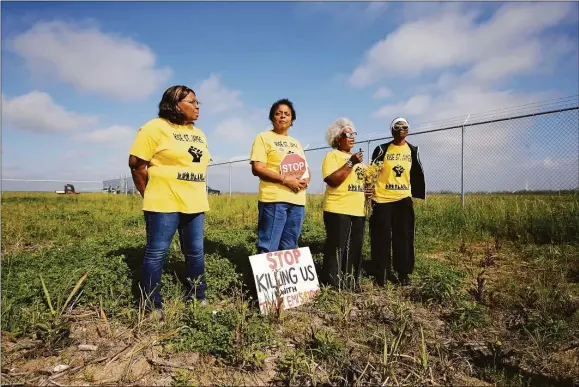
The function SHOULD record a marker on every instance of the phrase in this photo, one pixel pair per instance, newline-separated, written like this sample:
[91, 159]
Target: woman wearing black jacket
[392, 221]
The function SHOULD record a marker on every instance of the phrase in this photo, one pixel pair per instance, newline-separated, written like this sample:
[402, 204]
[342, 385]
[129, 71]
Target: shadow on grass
[238, 255]
[133, 258]
[368, 268]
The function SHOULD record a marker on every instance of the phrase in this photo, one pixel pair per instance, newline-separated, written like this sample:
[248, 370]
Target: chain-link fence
[233, 176]
[123, 185]
[536, 150]
[44, 185]
[525, 149]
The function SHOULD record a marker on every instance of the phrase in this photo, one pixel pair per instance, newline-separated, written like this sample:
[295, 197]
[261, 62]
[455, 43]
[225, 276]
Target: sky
[80, 78]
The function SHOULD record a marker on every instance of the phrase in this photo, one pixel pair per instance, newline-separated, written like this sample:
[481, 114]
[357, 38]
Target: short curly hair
[334, 131]
[276, 105]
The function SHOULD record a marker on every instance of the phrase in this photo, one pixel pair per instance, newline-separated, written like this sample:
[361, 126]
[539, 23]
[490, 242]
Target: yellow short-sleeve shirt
[178, 157]
[270, 148]
[348, 197]
[393, 183]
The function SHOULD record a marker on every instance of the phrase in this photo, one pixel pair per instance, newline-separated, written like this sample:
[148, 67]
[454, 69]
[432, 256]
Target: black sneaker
[392, 278]
[193, 301]
[404, 279]
[156, 315]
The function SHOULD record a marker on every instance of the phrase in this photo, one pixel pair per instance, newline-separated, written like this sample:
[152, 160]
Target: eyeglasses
[349, 134]
[194, 102]
[400, 127]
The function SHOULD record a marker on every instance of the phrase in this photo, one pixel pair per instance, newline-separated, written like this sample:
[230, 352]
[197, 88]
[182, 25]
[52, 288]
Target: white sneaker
[157, 315]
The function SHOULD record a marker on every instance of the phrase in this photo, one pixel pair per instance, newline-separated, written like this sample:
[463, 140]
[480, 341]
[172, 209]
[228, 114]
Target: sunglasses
[349, 134]
[400, 127]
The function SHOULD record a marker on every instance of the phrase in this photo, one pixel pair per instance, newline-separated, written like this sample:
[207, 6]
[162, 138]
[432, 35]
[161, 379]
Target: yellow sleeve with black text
[348, 197]
[270, 148]
[178, 157]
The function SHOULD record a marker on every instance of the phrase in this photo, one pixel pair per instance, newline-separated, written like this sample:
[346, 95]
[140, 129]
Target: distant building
[120, 186]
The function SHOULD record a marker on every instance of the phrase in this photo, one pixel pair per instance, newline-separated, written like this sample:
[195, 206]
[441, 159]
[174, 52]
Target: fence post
[369, 161]
[230, 180]
[462, 162]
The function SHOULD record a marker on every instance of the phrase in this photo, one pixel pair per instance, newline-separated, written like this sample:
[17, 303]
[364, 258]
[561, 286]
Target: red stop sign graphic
[293, 165]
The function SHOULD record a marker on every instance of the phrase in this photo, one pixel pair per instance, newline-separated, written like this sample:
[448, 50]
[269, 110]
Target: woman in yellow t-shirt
[280, 163]
[392, 222]
[168, 161]
[344, 217]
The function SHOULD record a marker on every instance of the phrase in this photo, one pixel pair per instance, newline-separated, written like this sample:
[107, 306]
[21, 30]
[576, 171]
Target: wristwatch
[350, 164]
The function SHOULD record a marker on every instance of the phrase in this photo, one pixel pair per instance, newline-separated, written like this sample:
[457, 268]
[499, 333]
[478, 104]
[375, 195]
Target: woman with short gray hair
[343, 206]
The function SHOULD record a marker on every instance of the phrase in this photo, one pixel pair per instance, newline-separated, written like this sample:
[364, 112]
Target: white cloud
[234, 129]
[241, 130]
[370, 10]
[470, 57]
[11, 172]
[38, 112]
[550, 163]
[91, 60]
[382, 92]
[452, 38]
[355, 12]
[75, 154]
[415, 106]
[519, 60]
[471, 63]
[498, 155]
[458, 102]
[113, 136]
[215, 97]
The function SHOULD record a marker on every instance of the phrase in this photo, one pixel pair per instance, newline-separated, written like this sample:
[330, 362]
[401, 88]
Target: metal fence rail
[536, 149]
[533, 151]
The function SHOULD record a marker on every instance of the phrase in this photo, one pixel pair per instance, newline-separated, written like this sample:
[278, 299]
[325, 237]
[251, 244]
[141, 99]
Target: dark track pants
[343, 249]
[392, 226]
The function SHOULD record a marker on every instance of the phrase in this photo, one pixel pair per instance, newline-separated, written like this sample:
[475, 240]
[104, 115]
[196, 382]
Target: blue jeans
[279, 226]
[161, 228]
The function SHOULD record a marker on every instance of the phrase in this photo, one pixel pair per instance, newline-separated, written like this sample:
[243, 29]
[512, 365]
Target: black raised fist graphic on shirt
[398, 170]
[360, 173]
[196, 154]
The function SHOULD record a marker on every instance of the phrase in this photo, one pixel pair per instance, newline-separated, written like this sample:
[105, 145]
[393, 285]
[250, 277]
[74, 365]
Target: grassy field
[494, 301]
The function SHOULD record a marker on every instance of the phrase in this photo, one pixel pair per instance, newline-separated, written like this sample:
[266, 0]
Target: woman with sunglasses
[343, 206]
[392, 221]
[168, 161]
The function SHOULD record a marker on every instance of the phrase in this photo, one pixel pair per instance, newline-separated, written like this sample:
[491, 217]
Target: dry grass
[495, 300]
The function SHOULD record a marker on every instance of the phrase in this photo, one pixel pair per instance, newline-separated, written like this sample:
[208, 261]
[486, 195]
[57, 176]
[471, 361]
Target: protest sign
[293, 165]
[284, 279]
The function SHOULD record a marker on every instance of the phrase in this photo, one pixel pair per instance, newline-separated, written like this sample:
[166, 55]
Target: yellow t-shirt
[270, 148]
[393, 183]
[348, 198]
[178, 159]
